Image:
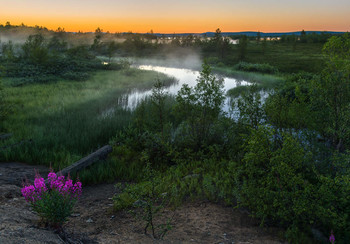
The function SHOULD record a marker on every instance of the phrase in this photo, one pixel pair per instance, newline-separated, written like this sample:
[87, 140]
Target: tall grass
[64, 119]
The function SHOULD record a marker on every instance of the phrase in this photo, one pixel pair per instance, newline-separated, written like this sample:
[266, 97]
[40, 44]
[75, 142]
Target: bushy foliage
[250, 107]
[317, 102]
[290, 105]
[278, 182]
[39, 60]
[261, 68]
[199, 108]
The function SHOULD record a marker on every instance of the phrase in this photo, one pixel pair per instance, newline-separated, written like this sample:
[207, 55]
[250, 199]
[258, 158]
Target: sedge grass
[64, 120]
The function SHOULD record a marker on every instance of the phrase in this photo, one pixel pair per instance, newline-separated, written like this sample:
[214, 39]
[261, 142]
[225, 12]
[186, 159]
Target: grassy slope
[64, 118]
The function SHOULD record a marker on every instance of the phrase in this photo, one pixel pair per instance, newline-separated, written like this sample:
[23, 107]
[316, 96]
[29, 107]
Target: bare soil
[94, 220]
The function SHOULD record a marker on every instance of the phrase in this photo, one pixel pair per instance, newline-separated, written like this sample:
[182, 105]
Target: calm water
[182, 76]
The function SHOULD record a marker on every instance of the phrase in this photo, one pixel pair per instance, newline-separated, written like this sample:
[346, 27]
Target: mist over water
[186, 58]
[183, 76]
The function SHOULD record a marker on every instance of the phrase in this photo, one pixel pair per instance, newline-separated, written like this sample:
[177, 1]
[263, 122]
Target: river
[183, 76]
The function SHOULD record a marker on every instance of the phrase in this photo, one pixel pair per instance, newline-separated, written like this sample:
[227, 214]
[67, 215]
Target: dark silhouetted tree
[242, 47]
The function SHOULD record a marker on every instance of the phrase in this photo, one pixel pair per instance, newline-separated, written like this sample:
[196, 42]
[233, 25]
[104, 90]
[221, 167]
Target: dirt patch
[94, 221]
[199, 222]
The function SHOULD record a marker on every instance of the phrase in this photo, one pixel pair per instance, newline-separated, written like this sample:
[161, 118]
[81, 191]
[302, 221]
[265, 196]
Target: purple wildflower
[29, 193]
[39, 184]
[77, 189]
[68, 187]
[332, 238]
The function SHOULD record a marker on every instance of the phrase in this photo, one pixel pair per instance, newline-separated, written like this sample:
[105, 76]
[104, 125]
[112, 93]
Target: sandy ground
[94, 221]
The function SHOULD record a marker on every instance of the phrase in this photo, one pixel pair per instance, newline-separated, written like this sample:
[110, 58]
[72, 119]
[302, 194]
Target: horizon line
[167, 33]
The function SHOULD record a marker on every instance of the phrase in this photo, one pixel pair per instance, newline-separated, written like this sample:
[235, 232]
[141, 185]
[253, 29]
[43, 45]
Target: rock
[10, 191]
[318, 235]
[139, 203]
[18, 225]
[191, 176]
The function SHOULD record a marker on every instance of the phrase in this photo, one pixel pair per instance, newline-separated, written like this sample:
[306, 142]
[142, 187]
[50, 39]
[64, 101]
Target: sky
[180, 16]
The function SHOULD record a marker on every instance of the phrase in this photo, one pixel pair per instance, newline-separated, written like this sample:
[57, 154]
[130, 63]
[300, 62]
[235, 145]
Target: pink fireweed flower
[77, 189]
[60, 178]
[39, 184]
[332, 238]
[68, 187]
[57, 183]
[29, 193]
[52, 177]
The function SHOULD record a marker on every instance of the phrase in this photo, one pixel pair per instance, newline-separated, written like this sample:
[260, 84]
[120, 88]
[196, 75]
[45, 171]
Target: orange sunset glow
[180, 16]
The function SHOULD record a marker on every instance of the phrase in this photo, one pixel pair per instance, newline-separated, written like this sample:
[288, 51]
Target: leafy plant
[261, 68]
[199, 107]
[55, 202]
[147, 203]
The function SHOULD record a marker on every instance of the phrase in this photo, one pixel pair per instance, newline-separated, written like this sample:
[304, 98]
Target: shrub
[279, 183]
[212, 60]
[55, 202]
[261, 68]
[147, 203]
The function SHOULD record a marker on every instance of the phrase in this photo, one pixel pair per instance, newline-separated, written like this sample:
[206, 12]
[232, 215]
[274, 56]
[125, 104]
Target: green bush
[278, 182]
[261, 68]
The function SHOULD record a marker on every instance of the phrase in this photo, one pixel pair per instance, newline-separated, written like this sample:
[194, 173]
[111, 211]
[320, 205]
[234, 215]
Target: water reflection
[182, 76]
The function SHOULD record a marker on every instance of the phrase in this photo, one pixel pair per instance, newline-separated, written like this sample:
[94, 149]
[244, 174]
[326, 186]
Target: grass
[266, 81]
[64, 120]
[286, 58]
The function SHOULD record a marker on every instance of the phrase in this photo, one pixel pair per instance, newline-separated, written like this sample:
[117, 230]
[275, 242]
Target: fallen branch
[5, 136]
[88, 160]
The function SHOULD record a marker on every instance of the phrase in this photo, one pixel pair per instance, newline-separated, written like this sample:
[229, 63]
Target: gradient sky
[169, 16]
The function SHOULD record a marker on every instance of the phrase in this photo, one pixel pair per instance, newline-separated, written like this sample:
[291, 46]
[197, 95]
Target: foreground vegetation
[285, 159]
